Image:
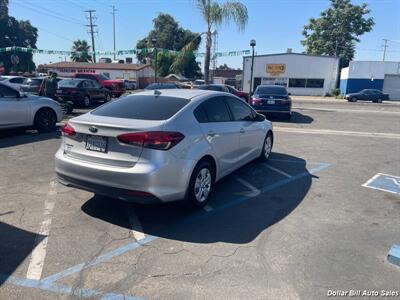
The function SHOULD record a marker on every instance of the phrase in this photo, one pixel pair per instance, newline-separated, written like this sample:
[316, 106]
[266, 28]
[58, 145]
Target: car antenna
[157, 93]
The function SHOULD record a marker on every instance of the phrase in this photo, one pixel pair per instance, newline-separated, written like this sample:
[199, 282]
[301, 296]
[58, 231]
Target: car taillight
[255, 101]
[74, 91]
[286, 101]
[67, 130]
[160, 140]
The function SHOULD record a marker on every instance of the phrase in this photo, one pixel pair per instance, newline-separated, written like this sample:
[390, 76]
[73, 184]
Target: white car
[23, 110]
[14, 81]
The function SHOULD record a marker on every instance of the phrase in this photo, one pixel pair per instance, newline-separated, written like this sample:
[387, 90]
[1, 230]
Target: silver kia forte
[162, 145]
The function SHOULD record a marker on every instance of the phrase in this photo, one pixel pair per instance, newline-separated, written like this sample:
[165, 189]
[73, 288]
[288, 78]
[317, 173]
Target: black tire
[195, 197]
[265, 154]
[45, 120]
[86, 101]
[353, 99]
[287, 117]
[108, 97]
[379, 101]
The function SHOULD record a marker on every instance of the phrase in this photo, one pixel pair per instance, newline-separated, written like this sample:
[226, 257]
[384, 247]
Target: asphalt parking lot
[292, 228]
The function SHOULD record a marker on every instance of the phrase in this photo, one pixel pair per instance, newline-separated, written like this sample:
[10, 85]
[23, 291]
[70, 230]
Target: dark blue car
[272, 99]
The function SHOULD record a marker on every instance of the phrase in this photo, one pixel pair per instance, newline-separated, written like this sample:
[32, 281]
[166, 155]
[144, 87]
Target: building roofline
[285, 53]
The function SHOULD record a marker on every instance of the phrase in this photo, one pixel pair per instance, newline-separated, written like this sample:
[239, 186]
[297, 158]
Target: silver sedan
[162, 145]
[22, 110]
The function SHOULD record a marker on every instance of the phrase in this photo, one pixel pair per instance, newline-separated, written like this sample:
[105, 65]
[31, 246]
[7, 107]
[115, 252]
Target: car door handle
[241, 130]
[211, 133]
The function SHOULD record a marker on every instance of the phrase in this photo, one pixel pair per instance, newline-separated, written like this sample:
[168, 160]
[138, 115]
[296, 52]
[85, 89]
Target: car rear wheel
[379, 101]
[201, 185]
[353, 99]
[86, 101]
[108, 97]
[45, 120]
[267, 147]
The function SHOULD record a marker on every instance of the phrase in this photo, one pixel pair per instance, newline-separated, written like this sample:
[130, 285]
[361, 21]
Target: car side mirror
[259, 118]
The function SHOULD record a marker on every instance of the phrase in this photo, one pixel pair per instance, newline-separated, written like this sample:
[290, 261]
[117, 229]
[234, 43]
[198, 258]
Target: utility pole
[113, 13]
[91, 31]
[384, 48]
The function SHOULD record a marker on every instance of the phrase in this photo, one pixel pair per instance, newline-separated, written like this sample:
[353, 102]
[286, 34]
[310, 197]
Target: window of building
[297, 82]
[315, 83]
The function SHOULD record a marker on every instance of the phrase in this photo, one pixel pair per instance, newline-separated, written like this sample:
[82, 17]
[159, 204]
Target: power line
[91, 31]
[58, 17]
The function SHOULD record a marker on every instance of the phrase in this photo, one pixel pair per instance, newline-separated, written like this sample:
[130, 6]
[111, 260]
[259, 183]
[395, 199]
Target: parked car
[14, 81]
[34, 85]
[82, 91]
[130, 84]
[161, 86]
[214, 87]
[240, 94]
[116, 87]
[272, 99]
[198, 82]
[368, 95]
[161, 146]
[21, 110]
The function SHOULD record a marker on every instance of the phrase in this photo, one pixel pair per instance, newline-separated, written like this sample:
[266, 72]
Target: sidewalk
[332, 100]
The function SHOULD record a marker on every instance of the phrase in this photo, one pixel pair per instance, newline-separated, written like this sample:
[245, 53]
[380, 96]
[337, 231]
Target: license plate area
[271, 101]
[96, 143]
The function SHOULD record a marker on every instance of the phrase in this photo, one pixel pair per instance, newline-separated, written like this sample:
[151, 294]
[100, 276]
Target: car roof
[189, 94]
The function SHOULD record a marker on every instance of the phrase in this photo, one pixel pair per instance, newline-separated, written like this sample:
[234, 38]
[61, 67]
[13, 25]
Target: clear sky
[275, 24]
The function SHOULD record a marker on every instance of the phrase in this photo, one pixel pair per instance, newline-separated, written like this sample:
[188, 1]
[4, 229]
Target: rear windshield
[142, 107]
[271, 90]
[69, 83]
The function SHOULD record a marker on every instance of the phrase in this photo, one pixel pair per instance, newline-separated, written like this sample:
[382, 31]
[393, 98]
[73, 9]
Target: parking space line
[278, 171]
[100, 259]
[62, 289]
[38, 255]
[208, 208]
[136, 227]
[338, 132]
[254, 191]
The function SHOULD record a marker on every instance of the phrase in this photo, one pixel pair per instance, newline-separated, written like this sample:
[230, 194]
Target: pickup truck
[117, 87]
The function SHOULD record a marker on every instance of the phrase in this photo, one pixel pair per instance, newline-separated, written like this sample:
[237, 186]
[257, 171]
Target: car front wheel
[45, 120]
[108, 97]
[267, 147]
[201, 185]
[86, 101]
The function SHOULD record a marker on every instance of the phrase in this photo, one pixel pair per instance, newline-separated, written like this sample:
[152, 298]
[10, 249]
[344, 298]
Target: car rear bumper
[145, 182]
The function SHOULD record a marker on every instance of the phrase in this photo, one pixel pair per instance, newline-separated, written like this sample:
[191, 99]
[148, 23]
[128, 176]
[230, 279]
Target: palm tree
[214, 14]
[80, 50]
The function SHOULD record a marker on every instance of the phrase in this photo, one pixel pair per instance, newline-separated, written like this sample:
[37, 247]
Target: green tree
[214, 14]
[16, 33]
[81, 49]
[169, 35]
[337, 30]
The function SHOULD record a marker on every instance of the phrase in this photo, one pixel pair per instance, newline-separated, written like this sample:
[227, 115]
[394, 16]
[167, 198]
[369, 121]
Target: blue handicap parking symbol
[384, 182]
[394, 255]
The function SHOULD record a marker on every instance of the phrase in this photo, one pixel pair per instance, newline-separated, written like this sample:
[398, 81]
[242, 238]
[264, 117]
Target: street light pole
[252, 44]
[154, 41]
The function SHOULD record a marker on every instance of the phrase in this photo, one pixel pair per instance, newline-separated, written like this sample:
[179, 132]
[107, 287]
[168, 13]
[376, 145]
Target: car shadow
[236, 216]
[15, 246]
[297, 118]
[15, 137]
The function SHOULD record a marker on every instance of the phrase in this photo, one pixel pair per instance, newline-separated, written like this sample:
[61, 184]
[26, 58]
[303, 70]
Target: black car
[272, 99]
[161, 86]
[214, 87]
[34, 85]
[82, 91]
[367, 95]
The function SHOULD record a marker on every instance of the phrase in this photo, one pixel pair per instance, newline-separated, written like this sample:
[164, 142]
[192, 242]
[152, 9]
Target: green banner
[144, 51]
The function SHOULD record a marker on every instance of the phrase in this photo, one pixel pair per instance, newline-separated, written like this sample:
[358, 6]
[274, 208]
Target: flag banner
[143, 51]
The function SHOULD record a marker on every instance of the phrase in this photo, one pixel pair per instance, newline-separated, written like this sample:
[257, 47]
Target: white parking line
[338, 132]
[38, 255]
[279, 171]
[254, 191]
[136, 227]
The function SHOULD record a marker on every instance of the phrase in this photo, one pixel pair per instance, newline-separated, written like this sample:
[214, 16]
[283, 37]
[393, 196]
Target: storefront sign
[276, 69]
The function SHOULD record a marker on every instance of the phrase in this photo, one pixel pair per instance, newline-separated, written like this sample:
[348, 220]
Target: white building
[381, 75]
[302, 74]
[138, 72]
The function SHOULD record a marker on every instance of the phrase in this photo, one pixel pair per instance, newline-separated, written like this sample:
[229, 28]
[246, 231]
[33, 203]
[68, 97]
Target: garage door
[391, 86]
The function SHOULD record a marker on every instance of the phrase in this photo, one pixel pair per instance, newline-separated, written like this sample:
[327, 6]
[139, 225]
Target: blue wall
[352, 85]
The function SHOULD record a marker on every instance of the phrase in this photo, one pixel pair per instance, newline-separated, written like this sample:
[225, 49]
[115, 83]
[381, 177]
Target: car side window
[6, 92]
[86, 84]
[239, 110]
[216, 110]
[17, 80]
[200, 114]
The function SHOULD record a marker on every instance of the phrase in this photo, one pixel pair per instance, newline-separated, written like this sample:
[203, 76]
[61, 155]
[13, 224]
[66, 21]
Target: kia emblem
[92, 129]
